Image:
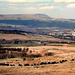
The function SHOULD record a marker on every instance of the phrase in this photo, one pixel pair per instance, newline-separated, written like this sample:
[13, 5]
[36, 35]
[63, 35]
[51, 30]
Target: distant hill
[72, 19]
[24, 21]
[25, 17]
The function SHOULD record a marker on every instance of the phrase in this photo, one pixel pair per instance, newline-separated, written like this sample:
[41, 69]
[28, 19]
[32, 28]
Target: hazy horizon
[53, 8]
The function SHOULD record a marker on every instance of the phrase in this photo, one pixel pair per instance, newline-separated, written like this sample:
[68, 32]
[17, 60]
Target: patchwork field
[28, 37]
[61, 62]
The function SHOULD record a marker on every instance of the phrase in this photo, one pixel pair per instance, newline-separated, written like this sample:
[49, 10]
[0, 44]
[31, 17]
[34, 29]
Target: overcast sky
[53, 8]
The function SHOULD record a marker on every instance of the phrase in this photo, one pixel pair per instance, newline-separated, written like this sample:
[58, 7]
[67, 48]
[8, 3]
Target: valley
[36, 44]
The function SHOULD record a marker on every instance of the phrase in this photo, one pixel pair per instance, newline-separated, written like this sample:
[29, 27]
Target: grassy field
[19, 45]
[28, 36]
[30, 44]
[61, 53]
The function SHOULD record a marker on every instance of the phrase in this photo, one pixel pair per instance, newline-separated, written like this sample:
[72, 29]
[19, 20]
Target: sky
[53, 8]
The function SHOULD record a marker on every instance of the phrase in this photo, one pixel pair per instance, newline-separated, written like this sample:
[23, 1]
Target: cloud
[66, 1]
[31, 8]
[71, 6]
[15, 1]
[11, 4]
[25, 1]
[47, 7]
[43, 4]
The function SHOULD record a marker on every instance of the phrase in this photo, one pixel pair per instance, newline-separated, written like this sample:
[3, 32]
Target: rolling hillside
[24, 21]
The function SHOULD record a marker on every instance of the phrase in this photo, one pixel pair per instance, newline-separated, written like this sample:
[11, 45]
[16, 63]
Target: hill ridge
[23, 21]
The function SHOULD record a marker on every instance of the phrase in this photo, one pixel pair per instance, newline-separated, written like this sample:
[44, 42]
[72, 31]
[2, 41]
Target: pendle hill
[24, 21]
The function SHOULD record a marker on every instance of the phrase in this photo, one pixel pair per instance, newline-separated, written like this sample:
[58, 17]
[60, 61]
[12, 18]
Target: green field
[20, 45]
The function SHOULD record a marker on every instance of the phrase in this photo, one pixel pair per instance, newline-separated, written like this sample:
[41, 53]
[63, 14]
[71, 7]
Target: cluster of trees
[15, 41]
[13, 32]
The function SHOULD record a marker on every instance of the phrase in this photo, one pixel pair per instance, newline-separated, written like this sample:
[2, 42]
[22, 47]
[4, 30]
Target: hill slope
[23, 21]
[25, 17]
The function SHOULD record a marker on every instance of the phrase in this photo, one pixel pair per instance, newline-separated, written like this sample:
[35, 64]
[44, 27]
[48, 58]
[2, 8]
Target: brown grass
[27, 37]
[60, 52]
